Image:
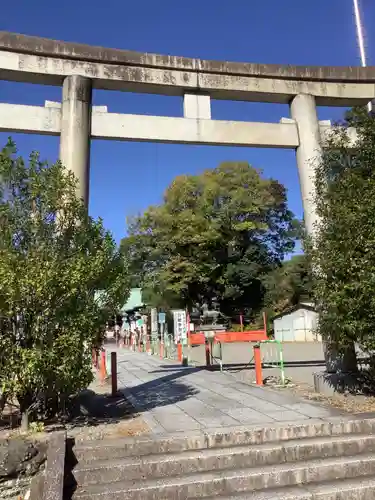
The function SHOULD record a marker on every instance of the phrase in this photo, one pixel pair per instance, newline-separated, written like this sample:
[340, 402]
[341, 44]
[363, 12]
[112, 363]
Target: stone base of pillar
[339, 360]
[330, 384]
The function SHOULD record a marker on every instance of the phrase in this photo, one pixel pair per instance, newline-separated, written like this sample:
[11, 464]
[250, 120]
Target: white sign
[179, 325]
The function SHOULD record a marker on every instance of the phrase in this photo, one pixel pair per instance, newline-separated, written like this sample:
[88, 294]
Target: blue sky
[127, 177]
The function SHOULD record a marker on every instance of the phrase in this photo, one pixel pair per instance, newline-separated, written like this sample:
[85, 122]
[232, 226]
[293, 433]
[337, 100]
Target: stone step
[240, 457]
[229, 482]
[235, 436]
[351, 489]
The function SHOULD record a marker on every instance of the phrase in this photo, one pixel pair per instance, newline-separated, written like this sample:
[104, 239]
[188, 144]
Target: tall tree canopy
[214, 236]
[344, 252]
[288, 284]
[54, 261]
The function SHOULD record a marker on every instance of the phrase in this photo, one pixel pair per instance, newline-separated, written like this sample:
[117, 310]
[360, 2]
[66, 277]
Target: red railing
[199, 338]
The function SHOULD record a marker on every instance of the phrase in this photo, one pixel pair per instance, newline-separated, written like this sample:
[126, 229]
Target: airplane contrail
[361, 40]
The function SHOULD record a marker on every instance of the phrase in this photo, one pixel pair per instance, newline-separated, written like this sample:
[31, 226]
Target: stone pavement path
[176, 399]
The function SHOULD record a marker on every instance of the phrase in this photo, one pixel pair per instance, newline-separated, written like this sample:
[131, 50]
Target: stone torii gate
[79, 68]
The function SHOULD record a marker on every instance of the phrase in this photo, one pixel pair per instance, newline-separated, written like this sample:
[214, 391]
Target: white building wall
[297, 326]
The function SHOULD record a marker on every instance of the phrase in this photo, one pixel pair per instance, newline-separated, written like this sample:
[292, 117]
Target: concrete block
[173, 419]
[196, 408]
[55, 467]
[197, 106]
[247, 400]
[311, 410]
[331, 383]
[217, 421]
[286, 416]
[217, 401]
[249, 416]
[268, 395]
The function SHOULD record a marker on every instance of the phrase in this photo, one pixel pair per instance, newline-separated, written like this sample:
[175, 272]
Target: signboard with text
[179, 325]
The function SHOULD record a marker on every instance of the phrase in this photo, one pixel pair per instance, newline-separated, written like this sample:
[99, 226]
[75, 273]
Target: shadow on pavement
[163, 391]
[91, 408]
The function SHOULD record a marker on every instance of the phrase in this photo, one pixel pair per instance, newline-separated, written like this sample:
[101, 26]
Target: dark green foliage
[344, 253]
[289, 284]
[214, 237]
[54, 259]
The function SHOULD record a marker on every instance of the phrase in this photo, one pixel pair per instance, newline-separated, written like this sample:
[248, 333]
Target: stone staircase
[314, 460]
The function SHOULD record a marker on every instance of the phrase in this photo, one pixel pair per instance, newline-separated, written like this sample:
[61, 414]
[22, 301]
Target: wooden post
[188, 337]
[179, 352]
[114, 373]
[208, 354]
[265, 322]
[258, 365]
[241, 322]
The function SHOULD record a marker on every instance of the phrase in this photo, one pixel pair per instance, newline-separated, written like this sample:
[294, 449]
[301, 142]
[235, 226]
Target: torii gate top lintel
[79, 68]
[166, 74]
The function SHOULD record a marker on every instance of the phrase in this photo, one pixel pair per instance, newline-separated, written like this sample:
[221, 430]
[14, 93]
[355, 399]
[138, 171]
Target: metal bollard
[258, 365]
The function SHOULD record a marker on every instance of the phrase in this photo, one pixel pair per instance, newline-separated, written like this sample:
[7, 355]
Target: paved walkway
[177, 399]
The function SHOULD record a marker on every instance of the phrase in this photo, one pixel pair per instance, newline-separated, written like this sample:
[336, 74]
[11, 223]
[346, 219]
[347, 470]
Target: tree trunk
[340, 359]
[24, 421]
[3, 400]
[25, 401]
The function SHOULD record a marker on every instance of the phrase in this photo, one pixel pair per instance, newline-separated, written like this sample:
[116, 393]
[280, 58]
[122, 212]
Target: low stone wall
[21, 458]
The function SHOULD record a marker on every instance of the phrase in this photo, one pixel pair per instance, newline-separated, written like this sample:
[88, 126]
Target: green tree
[344, 250]
[60, 277]
[214, 237]
[288, 284]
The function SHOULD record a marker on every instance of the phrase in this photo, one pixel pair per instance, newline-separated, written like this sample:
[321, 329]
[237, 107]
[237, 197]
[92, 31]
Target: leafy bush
[60, 276]
[344, 251]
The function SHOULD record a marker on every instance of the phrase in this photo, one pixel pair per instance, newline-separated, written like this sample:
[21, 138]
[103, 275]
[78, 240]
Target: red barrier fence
[253, 336]
[225, 337]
